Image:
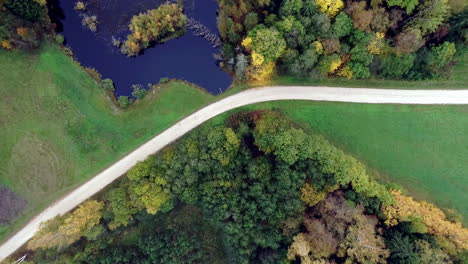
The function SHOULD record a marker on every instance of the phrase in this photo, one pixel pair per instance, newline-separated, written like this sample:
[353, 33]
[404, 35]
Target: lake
[188, 58]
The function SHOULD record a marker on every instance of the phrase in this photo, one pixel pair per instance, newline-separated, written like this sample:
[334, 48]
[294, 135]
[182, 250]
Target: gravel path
[264, 94]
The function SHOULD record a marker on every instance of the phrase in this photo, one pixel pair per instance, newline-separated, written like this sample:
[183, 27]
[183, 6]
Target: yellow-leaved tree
[377, 44]
[41, 2]
[63, 230]
[406, 209]
[330, 7]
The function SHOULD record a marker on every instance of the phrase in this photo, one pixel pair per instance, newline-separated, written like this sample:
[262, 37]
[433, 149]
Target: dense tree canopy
[392, 27]
[27, 9]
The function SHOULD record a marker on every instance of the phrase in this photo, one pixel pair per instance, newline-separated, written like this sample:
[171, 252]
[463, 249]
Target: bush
[108, 85]
[90, 22]
[124, 102]
[164, 80]
[138, 91]
[59, 39]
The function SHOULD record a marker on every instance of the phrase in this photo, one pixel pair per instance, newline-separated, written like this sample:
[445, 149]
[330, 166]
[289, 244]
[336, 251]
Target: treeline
[155, 26]
[392, 39]
[268, 192]
[23, 24]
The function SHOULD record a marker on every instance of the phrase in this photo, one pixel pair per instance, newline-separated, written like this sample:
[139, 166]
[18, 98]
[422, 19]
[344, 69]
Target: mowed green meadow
[59, 129]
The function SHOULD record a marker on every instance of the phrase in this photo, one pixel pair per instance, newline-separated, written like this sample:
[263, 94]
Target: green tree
[402, 249]
[431, 14]
[173, 247]
[360, 61]
[250, 21]
[395, 67]
[241, 67]
[290, 8]
[408, 5]
[27, 9]
[121, 206]
[267, 42]
[343, 25]
[441, 55]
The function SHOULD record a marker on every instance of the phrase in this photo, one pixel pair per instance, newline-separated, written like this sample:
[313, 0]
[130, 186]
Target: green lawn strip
[422, 148]
[59, 128]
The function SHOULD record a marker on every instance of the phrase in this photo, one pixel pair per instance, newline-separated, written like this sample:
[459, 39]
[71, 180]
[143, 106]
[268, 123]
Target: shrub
[108, 85]
[124, 102]
[80, 6]
[164, 80]
[90, 22]
[138, 91]
[59, 39]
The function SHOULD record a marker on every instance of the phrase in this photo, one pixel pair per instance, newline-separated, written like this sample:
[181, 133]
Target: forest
[263, 190]
[390, 39]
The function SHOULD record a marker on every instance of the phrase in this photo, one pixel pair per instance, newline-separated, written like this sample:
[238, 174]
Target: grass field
[59, 128]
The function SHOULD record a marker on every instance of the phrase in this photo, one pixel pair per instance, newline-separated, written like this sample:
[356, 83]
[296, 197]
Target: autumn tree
[408, 41]
[362, 17]
[330, 7]
[381, 20]
[406, 207]
[64, 230]
[335, 228]
[156, 25]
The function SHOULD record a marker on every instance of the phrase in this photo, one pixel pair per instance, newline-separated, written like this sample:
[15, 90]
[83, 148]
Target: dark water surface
[187, 58]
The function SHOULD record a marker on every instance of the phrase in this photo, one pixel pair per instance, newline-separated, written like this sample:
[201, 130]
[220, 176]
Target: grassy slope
[59, 128]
